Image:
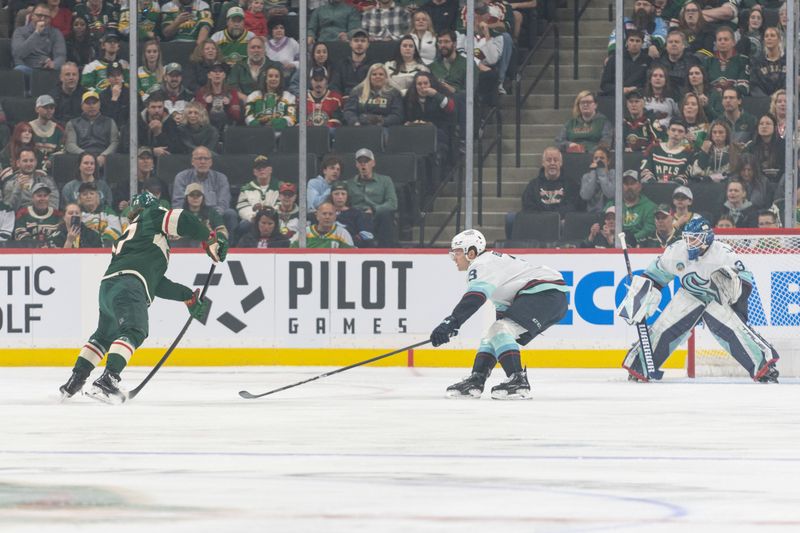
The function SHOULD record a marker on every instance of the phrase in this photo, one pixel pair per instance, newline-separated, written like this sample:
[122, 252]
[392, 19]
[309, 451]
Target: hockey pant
[732, 333]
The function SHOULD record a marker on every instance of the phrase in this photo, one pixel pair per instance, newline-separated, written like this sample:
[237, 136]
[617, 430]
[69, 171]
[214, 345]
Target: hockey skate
[770, 375]
[515, 387]
[469, 387]
[106, 389]
[74, 384]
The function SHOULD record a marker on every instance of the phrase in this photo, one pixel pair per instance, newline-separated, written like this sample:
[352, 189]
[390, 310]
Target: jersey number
[472, 275]
[128, 235]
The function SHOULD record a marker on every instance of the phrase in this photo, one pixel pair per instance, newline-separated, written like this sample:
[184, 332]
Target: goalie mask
[467, 240]
[698, 236]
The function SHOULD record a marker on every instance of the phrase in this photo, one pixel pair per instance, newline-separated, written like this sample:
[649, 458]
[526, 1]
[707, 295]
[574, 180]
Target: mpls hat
[45, 100]
[193, 187]
[287, 187]
[630, 174]
[90, 94]
[684, 190]
[145, 152]
[40, 187]
[235, 12]
[358, 31]
[338, 185]
[663, 208]
[87, 186]
[172, 68]
[365, 152]
[261, 161]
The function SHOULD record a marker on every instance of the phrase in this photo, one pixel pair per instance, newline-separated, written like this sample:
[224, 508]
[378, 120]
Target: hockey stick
[250, 396]
[132, 393]
[641, 326]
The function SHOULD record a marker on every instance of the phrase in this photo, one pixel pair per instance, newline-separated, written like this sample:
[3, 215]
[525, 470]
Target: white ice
[381, 450]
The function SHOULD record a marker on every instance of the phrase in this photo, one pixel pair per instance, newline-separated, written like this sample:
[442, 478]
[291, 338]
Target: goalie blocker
[714, 287]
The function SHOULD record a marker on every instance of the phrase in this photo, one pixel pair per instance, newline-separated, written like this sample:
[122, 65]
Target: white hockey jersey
[695, 276]
[500, 277]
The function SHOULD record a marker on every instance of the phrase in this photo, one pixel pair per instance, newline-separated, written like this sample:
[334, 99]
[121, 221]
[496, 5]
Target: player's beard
[644, 20]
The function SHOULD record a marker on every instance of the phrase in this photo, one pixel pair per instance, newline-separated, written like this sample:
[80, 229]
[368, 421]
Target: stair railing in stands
[497, 142]
[456, 173]
[550, 29]
[576, 19]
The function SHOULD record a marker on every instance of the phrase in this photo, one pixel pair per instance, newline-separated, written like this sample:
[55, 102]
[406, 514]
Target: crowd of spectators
[243, 71]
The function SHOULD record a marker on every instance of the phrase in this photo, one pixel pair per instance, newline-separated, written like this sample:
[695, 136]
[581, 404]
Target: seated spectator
[255, 20]
[374, 194]
[319, 188]
[713, 160]
[36, 222]
[682, 200]
[603, 236]
[7, 220]
[205, 55]
[37, 44]
[86, 173]
[101, 219]
[326, 233]
[323, 106]
[664, 232]
[176, 95]
[157, 129]
[727, 69]
[424, 36]
[272, 105]
[697, 83]
[151, 70]
[725, 221]
[92, 132]
[333, 21]
[550, 191]
[115, 98]
[677, 59]
[427, 103]
[645, 20]
[95, 74]
[80, 46]
[102, 17]
[638, 213]
[405, 64]
[352, 69]
[72, 233]
[669, 162]
[741, 210]
[67, 94]
[264, 232]
[699, 34]
[777, 108]
[768, 219]
[753, 37]
[186, 21]
[695, 119]
[194, 201]
[259, 193]
[21, 139]
[196, 130]
[489, 55]
[288, 210]
[232, 41]
[48, 135]
[768, 69]
[769, 149]
[598, 185]
[638, 130]
[319, 57]
[741, 123]
[215, 186]
[281, 48]
[148, 19]
[586, 129]
[443, 13]
[635, 64]
[357, 223]
[658, 101]
[246, 73]
[375, 101]
[146, 180]
[386, 22]
[18, 187]
[499, 19]
[748, 171]
[450, 68]
[220, 99]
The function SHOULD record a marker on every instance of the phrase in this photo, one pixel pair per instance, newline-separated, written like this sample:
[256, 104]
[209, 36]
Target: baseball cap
[145, 152]
[358, 31]
[116, 66]
[610, 209]
[173, 67]
[193, 187]
[235, 12]
[87, 186]
[663, 208]
[110, 35]
[39, 187]
[634, 94]
[319, 73]
[338, 185]
[45, 100]
[630, 174]
[684, 190]
[365, 152]
[220, 66]
[261, 161]
[90, 94]
[287, 187]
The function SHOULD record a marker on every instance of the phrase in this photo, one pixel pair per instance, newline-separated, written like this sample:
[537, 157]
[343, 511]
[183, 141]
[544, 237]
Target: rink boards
[330, 308]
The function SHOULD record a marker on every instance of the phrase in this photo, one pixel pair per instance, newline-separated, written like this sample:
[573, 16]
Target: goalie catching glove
[216, 246]
[448, 328]
[727, 284]
[197, 308]
[641, 301]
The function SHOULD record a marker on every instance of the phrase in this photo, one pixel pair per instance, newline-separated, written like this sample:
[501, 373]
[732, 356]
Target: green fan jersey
[143, 250]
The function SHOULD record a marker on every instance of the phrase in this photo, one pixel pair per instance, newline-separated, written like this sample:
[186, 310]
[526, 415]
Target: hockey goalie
[714, 288]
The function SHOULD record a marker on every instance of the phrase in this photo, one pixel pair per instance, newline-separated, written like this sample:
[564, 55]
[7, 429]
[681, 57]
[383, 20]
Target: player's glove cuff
[448, 328]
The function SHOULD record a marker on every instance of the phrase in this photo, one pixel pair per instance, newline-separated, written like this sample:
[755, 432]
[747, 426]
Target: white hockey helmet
[468, 239]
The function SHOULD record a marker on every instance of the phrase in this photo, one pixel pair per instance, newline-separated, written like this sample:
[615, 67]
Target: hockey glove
[641, 301]
[727, 284]
[448, 328]
[197, 308]
[216, 247]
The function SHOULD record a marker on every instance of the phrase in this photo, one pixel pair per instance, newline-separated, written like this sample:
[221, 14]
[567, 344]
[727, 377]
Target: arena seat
[6, 62]
[660, 193]
[19, 109]
[43, 81]
[353, 138]
[543, 227]
[318, 140]
[13, 83]
[577, 224]
[249, 140]
[65, 168]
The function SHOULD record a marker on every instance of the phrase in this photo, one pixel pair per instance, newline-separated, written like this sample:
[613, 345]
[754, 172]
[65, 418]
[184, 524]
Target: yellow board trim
[328, 357]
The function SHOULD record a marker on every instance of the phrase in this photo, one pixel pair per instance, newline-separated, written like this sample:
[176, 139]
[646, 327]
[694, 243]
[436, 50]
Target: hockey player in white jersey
[528, 299]
[715, 286]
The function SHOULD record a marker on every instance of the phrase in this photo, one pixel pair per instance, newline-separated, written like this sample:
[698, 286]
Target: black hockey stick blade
[250, 396]
[134, 392]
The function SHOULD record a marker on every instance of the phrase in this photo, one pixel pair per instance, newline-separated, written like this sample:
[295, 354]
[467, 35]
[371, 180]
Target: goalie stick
[134, 392]
[641, 326]
[250, 396]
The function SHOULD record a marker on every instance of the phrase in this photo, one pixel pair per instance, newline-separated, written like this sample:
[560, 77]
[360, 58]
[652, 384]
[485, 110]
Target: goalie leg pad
[737, 338]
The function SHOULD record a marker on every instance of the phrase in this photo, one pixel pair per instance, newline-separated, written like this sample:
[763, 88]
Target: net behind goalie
[714, 287]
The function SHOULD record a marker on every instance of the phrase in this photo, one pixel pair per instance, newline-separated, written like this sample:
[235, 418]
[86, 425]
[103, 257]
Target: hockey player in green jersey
[132, 281]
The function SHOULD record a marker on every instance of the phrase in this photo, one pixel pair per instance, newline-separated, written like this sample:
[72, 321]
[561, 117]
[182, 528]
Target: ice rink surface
[381, 450]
